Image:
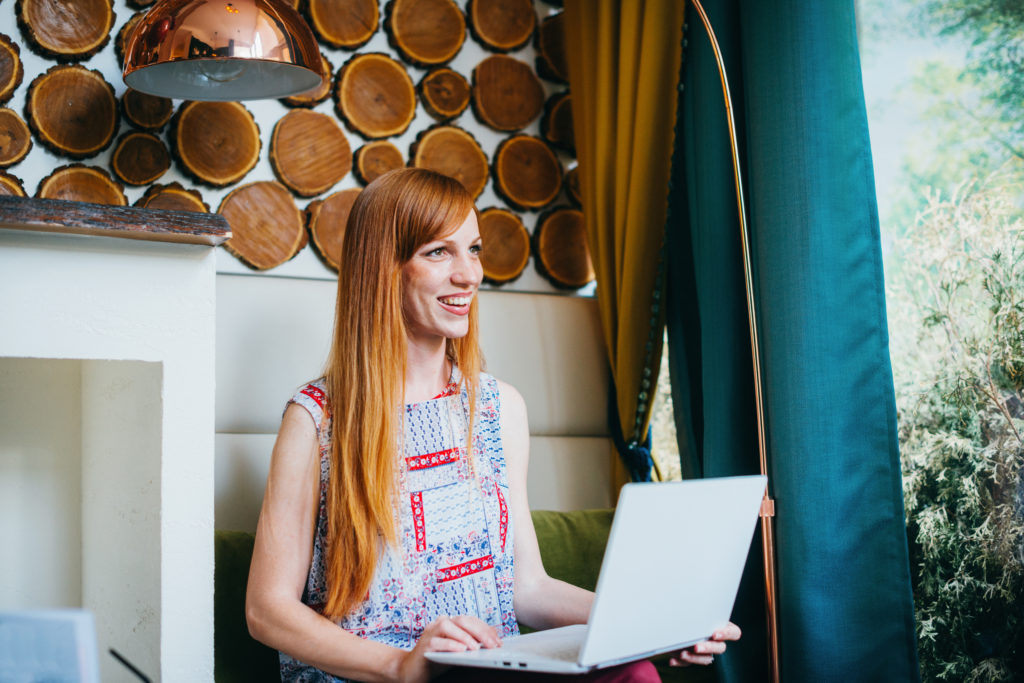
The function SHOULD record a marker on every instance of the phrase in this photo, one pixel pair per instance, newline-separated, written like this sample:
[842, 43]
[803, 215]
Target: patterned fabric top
[454, 552]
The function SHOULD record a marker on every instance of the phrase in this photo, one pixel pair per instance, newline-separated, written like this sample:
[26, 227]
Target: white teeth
[456, 300]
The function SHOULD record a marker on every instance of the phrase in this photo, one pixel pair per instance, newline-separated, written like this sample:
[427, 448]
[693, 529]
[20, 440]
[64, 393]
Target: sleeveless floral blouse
[454, 552]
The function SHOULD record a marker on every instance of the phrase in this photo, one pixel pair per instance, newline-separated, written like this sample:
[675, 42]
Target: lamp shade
[223, 51]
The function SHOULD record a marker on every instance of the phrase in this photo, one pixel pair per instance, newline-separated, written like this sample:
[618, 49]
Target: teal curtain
[845, 605]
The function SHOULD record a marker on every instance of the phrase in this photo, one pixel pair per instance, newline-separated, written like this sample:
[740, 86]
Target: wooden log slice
[11, 70]
[309, 152]
[556, 125]
[121, 41]
[444, 93]
[454, 152]
[72, 110]
[327, 219]
[313, 97]
[140, 3]
[527, 173]
[148, 112]
[216, 142]
[572, 186]
[15, 138]
[266, 226]
[550, 44]
[140, 158]
[173, 197]
[67, 30]
[501, 25]
[11, 185]
[506, 245]
[376, 158]
[81, 183]
[506, 94]
[425, 32]
[560, 242]
[375, 96]
[347, 24]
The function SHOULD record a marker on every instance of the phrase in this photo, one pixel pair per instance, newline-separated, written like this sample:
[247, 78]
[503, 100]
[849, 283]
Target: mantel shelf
[81, 218]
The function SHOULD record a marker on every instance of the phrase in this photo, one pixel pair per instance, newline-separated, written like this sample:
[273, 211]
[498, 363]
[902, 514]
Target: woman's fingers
[482, 632]
[728, 632]
[688, 657]
[459, 633]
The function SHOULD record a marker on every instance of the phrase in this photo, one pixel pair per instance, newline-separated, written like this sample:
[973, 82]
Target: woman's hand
[704, 653]
[446, 634]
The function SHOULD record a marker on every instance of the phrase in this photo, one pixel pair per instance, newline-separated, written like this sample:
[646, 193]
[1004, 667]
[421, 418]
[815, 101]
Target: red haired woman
[395, 509]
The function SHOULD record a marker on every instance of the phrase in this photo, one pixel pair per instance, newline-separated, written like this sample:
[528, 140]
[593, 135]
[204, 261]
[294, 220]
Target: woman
[376, 518]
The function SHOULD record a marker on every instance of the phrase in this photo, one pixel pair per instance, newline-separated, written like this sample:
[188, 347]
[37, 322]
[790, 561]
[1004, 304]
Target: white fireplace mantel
[131, 322]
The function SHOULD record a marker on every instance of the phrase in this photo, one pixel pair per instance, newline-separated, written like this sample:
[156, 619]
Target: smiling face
[439, 283]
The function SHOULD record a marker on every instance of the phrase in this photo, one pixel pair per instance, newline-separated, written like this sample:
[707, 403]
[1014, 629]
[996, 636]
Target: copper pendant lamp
[222, 50]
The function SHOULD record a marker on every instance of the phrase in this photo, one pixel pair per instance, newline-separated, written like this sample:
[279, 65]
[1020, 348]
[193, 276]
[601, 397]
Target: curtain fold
[845, 605]
[623, 62]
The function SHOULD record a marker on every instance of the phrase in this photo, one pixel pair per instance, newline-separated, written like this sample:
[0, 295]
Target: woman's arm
[540, 601]
[280, 565]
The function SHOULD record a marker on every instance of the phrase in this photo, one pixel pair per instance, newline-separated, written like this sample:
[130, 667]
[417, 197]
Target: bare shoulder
[513, 407]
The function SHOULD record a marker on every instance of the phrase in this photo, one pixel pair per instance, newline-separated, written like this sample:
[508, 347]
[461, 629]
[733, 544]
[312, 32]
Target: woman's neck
[427, 369]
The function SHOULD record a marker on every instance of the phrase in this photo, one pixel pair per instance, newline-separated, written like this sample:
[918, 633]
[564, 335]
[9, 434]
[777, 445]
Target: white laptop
[57, 645]
[668, 580]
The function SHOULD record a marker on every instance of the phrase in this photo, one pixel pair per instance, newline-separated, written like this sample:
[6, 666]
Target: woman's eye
[436, 252]
[475, 249]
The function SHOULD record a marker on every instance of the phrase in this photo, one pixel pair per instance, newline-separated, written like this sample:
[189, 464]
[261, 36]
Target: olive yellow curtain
[623, 58]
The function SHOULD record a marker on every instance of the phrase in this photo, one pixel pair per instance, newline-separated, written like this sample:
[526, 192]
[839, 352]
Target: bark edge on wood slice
[444, 92]
[140, 3]
[506, 245]
[572, 186]
[11, 69]
[375, 96]
[81, 183]
[501, 25]
[15, 138]
[121, 40]
[139, 158]
[266, 225]
[376, 158]
[309, 152]
[66, 31]
[144, 111]
[173, 197]
[216, 143]
[556, 126]
[507, 95]
[550, 46]
[311, 98]
[454, 152]
[527, 174]
[326, 219]
[560, 243]
[72, 110]
[348, 24]
[425, 32]
[11, 185]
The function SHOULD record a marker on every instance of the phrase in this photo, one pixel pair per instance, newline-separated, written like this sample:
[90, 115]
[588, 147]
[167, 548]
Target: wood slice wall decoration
[454, 152]
[144, 111]
[81, 183]
[140, 3]
[67, 31]
[444, 93]
[527, 174]
[313, 97]
[266, 226]
[506, 94]
[551, 62]
[572, 186]
[121, 41]
[140, 158]
[72, 111]
[173, 197]
[15, 138]
[11, 186]
[502, 25]
[327, 219]
[425, 32]
[560, 241]
[11, 69]
[375, 96]
[506, 245]
[347, 24]
[376, 158]
[217, 143]
[309, 152]
[556, 125]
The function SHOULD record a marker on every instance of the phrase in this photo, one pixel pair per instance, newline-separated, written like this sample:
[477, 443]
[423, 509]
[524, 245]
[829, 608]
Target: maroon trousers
[637, 672]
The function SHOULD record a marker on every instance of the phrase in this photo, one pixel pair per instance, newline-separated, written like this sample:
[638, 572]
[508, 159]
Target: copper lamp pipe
[222, 50]
[767, 504]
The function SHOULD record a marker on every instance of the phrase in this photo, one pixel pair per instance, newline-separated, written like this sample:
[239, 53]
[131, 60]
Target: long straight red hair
[390, 220]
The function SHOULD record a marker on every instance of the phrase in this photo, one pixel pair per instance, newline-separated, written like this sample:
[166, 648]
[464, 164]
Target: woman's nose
[467, 270]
